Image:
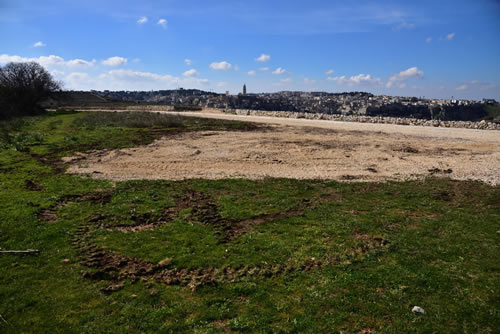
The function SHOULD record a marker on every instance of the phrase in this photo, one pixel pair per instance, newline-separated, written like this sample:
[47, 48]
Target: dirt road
[306, 149]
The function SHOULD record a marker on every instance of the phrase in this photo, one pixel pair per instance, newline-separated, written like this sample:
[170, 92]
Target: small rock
[418, 309]
[153, 292]
[165, 262]
[65, 261]
[133, 296]
[113, 287]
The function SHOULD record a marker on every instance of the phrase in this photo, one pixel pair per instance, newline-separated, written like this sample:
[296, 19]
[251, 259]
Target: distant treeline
[471, 112]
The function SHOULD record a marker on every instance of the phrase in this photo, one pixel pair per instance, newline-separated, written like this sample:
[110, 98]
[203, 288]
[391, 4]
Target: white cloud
[198, 82]
[360, 79]
[236, 68]
[412, 72]
[115, 61]
[57, 74]
[47, 61]
[43, 60]
[77, 76]
[142, 20]
[162, 23]
[222, 84]
[134, 80]
[252, 73]
[79, 80]
[475, 85]
[39, 44]
[329, 72]
[188, 62]
[80, 62]
[279, 70]
[221, 66]
[264, 69]
[134, 75]
[449, 37]
[263, 58]
[404, 25]
[486, 86]
[191, 73]
[308, 81]
[286, 80]
[428, 40]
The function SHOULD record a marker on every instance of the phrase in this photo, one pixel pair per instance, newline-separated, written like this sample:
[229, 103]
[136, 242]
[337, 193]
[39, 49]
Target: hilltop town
[349, 103]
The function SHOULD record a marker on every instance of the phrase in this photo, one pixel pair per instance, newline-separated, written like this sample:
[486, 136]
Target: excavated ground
[115, 268]
[304, 149]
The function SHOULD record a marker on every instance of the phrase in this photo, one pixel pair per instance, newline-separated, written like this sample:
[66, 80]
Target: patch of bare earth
[344, 152]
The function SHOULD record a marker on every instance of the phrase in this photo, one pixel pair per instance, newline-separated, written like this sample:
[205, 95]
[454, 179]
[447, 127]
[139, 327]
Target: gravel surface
[305, 149]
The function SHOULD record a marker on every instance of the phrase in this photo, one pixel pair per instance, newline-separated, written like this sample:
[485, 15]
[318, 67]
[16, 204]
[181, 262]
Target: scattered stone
[113, 287]
[65, 260]
[418, 309]
[440, 171]
[30, 185]
[48, 216]
[482, 125]
[349, 177]
[133, 296]
[165, 262]
[409, 149]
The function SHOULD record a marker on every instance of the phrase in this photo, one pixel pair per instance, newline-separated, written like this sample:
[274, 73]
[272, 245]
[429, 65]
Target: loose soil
[115, 268]
[304, 149]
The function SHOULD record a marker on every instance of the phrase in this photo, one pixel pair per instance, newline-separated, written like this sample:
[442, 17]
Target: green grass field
[200, 256]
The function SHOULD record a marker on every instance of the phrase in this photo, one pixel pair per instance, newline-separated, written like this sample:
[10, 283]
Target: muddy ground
[305, 149]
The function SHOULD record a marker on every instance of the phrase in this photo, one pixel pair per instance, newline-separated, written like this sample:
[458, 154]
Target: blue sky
[408, 48]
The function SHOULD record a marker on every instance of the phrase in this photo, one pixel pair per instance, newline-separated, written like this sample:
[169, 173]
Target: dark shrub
[22, 87]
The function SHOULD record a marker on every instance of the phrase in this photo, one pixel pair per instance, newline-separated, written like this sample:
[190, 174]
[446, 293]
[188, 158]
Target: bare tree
[22, 87]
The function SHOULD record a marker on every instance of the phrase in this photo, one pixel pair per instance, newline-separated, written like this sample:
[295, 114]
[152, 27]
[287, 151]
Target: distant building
[244, 89]
[489, 101]
[227, 93]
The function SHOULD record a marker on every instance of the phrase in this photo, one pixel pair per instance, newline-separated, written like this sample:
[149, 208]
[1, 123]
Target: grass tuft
[132, 119]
